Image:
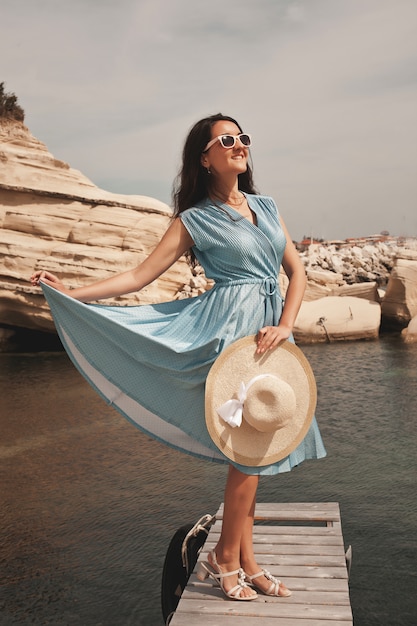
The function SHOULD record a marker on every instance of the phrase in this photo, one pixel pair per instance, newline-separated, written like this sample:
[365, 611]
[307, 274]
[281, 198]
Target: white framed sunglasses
[229, 141]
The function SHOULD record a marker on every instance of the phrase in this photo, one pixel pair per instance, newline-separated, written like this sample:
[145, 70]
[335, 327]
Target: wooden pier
[300, 543]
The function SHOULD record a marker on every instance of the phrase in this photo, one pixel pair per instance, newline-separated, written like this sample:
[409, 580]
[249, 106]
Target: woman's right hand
[48, 279]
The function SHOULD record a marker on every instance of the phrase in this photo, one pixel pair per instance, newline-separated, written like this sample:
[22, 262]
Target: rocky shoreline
[359, 261]
[383, 272]
[52, 216]
[353, 290]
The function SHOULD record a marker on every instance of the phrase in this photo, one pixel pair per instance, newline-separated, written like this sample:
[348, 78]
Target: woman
[240, 240]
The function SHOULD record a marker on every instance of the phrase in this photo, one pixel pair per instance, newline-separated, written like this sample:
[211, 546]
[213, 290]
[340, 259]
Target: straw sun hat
[259, 407]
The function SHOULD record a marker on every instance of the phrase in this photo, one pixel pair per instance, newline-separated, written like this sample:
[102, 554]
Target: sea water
[89, 504]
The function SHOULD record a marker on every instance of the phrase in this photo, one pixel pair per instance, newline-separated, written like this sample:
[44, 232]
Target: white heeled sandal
[276, 588]
[206, 569]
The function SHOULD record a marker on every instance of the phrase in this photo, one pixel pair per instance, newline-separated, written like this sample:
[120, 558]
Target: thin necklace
[231, 201]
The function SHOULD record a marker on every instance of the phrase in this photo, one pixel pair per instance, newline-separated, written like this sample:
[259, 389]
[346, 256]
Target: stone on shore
[351, 262]
[409, 334]
[337, 319]
[399, 305]
[322, 283]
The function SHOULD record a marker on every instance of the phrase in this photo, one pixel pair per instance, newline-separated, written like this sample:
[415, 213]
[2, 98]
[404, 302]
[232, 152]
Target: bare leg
[239, 506]
[235, 546]
[247, 556]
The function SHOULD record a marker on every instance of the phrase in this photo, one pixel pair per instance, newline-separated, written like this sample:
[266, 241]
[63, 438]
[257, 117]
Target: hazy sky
[327, 88]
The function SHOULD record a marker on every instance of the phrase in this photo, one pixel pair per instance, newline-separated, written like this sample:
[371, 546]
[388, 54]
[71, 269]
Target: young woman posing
[241, 241]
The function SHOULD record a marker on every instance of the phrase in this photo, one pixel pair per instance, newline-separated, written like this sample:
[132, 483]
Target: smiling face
[225, 162]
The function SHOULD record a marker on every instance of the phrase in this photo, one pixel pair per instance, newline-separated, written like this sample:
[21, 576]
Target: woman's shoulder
[202, 223]
[201, 214]
[266, 202]
[200, 210]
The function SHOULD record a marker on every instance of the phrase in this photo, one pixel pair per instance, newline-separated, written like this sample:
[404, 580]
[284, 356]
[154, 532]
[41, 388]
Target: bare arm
[175, 242]
[295, 271]
[270, 336]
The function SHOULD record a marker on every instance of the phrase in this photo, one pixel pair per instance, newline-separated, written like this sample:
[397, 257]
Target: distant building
[384, 236]
[306, 243]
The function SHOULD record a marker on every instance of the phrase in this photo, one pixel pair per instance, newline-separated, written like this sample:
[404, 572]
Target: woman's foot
[267, 584]
[231, 580]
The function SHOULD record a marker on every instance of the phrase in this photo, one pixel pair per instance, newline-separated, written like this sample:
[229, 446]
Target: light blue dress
[151, 361]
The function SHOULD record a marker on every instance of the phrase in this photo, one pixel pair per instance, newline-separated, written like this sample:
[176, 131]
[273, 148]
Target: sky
[327, 88]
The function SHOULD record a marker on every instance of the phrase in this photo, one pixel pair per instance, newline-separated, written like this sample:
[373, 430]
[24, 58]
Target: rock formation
[409, 334]
[51, 216]
[399, 305]
[332, 271]
[335, 319]
[353, 262]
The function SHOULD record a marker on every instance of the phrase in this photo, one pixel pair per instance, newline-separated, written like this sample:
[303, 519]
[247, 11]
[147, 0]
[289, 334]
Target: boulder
[399, 305]
[336, 319]
[367, 291]
[409, 334]
[324, 277]
[322, 284]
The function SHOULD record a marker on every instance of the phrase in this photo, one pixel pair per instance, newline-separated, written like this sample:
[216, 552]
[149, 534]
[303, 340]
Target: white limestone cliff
[53, 217]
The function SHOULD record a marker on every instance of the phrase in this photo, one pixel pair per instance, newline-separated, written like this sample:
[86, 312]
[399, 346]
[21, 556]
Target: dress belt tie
[270, 285]
[270, 288]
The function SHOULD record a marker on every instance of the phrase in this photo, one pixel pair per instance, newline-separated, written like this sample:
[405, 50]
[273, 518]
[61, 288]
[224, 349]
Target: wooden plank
[298, 583]
[326, 597]
[309, 560]
[285, 571]
[299, 534]
[298, 511]
[304, 571]
[290, 548]
[263, 609]
[192, 619]
[290, 506]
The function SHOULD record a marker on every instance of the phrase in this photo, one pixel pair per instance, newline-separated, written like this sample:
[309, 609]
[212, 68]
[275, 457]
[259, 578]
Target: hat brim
[239, 363]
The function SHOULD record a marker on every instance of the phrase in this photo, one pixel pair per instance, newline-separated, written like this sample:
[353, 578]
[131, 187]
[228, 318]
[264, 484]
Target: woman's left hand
[270, 337]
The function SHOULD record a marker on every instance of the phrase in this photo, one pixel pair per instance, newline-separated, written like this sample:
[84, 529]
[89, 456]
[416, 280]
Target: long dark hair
[193, 183]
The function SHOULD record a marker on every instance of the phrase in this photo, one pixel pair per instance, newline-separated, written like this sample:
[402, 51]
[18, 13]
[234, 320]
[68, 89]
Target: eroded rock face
[322, 283]
[399, 305]
[409, 334]
[52, 217]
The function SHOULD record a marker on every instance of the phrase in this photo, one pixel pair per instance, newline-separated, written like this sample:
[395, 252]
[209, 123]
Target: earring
[208, 171]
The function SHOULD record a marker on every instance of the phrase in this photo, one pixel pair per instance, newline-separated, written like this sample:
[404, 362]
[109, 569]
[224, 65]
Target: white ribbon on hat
[232, 410]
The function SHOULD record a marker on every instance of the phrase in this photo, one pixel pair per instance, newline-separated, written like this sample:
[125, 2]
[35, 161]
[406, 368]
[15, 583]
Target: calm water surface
[89, 504]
